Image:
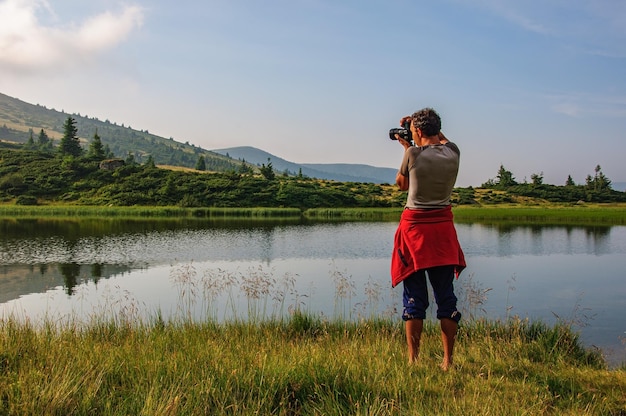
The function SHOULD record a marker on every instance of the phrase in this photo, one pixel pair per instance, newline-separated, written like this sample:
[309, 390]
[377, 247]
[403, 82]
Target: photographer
[426, 243]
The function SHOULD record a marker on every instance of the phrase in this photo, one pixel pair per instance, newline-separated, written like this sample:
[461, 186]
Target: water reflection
[539, 240]
[551, 266]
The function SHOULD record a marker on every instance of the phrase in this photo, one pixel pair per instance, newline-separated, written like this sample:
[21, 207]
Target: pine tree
[43, 141]
[201, 164]
[150, 163]
[107, 152]
[537, 178]
[96, 149]
[70, 144]
[267, 171]
[30, 143]
[598, 182]
[569, 181]
[505, 178]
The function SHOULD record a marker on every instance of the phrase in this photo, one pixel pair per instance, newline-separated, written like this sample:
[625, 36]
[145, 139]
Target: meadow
[302, 365]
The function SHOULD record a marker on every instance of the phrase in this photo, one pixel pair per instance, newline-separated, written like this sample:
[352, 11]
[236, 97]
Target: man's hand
[403, 142]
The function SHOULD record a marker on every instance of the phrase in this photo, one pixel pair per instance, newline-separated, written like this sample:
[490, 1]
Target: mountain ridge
[345, 172]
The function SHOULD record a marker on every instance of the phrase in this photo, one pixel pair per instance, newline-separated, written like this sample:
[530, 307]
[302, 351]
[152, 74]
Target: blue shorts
[415, 296]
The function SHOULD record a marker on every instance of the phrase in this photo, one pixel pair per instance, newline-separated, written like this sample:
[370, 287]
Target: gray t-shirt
[432, 172]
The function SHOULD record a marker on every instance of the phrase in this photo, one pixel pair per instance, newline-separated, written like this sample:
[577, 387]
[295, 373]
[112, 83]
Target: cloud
[562, 18]
[578, 105]
[27, 45]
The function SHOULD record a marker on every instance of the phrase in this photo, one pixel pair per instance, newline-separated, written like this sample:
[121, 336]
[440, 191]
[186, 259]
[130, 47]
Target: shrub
[26, 200]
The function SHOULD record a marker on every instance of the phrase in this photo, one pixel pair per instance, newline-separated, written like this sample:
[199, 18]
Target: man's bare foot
[446, 365]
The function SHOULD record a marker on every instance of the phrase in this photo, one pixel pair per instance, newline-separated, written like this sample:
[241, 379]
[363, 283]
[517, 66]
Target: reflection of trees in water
[96, 272]
[596, 236]
[599, 238]
[75, 229]
[70, 272]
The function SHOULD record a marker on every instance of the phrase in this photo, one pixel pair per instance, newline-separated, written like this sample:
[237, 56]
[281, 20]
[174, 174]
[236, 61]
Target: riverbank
[302, 365]
[586, 214]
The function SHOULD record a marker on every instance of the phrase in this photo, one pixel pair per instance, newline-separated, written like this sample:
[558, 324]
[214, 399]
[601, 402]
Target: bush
[26, 200]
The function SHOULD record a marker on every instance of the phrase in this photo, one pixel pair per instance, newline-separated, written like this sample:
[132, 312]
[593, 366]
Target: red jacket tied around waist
[424, 239]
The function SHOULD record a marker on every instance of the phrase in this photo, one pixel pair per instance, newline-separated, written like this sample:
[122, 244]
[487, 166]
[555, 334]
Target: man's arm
[402, 181]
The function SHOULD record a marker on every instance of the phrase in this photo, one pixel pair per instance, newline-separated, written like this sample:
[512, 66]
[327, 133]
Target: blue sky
[538, 86]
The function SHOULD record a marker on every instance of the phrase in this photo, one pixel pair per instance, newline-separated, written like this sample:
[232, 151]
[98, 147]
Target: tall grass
[282, 360]
[302, 366]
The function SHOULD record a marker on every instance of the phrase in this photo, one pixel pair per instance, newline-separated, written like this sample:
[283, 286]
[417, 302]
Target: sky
[537, 86]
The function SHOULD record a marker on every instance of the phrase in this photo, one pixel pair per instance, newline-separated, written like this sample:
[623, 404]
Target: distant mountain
[344, 172]
[619, 186]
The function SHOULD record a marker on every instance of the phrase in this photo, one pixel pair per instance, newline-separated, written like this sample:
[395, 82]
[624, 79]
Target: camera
[404, 132]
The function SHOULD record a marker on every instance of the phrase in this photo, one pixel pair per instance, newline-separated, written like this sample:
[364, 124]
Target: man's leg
[442, 281]
[415, 302]
[448, 336]
[413, 337]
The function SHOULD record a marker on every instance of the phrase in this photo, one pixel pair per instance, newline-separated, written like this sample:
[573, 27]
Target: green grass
[590, 214]
[299, 366]
[601, 214]
[59, 210]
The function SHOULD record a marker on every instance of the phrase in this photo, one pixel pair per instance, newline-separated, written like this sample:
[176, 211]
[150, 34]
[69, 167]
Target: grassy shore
[86, 211]
[600, 214]
[299, 366]
[592, 214]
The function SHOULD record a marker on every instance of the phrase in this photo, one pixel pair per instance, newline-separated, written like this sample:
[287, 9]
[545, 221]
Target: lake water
[78, 270]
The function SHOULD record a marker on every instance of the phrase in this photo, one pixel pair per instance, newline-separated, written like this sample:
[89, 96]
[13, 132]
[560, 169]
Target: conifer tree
[30, 143]
[70, 144]
[150, 163]
[201, 164]
[505, 178]
[96, 149]
[43, 141]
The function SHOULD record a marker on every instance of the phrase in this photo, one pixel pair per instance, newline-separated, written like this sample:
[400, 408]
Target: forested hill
[18, 120]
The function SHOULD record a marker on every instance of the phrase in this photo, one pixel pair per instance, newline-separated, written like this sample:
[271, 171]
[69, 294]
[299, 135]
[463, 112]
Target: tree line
[597, 187]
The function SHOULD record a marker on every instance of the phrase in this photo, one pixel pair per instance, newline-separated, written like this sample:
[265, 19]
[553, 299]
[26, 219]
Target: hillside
[18, 119]
[343, 172]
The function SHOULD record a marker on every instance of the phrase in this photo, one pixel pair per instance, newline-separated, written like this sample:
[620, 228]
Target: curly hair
[428, 120]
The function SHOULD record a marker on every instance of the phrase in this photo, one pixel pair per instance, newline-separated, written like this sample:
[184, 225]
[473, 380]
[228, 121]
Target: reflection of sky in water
[352, 240]
[535, 272]
[322, 241]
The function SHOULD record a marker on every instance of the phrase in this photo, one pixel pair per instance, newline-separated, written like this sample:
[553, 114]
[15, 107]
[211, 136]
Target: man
[426, 244]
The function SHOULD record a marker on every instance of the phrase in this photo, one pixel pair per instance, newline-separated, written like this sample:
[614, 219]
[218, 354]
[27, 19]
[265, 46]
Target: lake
[137, 269]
